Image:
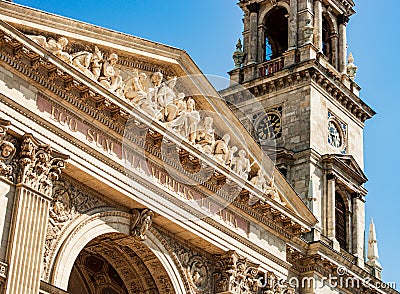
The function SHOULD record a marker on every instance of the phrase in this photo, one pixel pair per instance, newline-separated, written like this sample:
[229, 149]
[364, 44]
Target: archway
[98, 256]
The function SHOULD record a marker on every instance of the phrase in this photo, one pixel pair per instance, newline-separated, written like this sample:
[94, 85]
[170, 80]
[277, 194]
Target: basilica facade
[122, 170]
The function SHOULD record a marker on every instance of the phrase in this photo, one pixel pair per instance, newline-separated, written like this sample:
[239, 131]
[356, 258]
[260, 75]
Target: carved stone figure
[351, 68]
[238, 55]
[61, 209]
[221, 149]
[55, 47]
[187, 120]
[135, 88]
[231, 157]
[260, 182]
[166, 100]
[141, 222]
[272, 191]
[241, 165]
[110, 76]
[88, 63]
[308, 32]
[205, 135]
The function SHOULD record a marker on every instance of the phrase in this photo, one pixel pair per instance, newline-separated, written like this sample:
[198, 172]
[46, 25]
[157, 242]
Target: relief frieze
[91, 135]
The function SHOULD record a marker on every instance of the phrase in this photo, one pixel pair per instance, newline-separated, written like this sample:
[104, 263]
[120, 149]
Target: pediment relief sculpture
[157, 97]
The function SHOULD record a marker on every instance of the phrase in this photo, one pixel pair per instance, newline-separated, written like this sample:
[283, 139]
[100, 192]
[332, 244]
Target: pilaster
[318, 24]
[359, 227]
[343, 20]
[330, 210]
[38, 167]
[252, 53]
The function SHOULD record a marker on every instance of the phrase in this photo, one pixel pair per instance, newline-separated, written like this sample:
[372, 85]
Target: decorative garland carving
[70, 199]
[196, 266]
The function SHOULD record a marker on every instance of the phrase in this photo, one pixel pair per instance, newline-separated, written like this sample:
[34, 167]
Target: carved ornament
[141, 222]
[7, 152]
[39, 166]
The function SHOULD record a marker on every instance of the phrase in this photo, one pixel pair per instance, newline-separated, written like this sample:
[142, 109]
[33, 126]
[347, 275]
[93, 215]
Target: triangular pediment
[106, 68]
[346, 165]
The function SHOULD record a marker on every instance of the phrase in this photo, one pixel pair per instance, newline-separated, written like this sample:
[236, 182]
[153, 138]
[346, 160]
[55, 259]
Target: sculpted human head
[113, 58]
[7, 150]
[157, 78]
[226, 138]
[63, 41]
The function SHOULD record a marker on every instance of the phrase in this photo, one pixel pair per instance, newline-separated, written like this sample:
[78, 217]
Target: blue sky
[208, 30]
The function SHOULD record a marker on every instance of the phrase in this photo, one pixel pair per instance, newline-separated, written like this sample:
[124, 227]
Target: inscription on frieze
[89, 134]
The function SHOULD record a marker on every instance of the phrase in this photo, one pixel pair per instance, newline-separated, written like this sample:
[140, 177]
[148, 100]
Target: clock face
[269, 127]
[334, 136]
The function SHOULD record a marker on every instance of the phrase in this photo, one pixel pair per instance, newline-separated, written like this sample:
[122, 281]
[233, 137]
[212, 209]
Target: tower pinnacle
[373, 255]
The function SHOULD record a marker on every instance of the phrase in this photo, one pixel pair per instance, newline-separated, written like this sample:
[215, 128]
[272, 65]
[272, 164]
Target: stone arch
[332, 21]
[278, 36]
[93, 226]
[265, 12]
[330, 38]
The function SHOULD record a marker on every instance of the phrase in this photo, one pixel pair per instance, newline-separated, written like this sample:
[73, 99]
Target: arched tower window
[327, 45]
[340, 221]
[276, 33]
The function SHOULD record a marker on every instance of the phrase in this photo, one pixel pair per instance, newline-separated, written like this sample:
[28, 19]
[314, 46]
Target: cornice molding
[308, 72]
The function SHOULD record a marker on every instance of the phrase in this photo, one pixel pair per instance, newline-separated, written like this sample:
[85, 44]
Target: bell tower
[294, 61]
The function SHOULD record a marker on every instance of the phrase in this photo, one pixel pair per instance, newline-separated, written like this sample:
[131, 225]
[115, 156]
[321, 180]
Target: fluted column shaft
[28, 235]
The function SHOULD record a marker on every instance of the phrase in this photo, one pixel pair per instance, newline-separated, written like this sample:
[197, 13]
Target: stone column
[330, 210]
[358, 228]
[261, 44]
[343, 20]
[292, 38]
[335, 50]
[252, 54]
[318, 24]
[38, 168]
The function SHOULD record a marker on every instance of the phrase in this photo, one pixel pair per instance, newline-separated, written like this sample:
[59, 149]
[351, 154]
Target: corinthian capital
[236, 274]
[39, 165]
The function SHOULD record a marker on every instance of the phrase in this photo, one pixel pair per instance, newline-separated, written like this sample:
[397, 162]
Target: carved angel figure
[55, 47]
[141, 222]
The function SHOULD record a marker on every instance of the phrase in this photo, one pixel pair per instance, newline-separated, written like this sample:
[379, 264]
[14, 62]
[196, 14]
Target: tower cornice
[311, 71]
